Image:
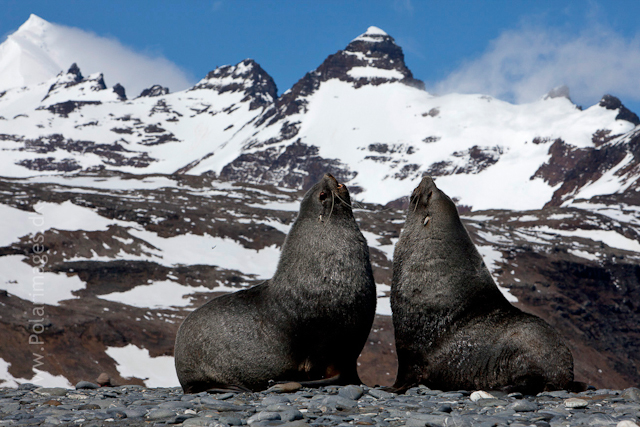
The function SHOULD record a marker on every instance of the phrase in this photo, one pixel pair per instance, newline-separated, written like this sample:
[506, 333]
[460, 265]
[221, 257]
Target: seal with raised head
[454, 329]
[308, 323]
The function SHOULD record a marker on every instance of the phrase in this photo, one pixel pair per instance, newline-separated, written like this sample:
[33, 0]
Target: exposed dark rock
[576, 167]
[75, 70]
[610, 102]
[50, 164]
[111, 154]
[72, 78]
[472, 161]
[564, 159]
[63, 109]
[602, 136]
[283, 166]
[248, 77]
[119, 90]
[155, 90]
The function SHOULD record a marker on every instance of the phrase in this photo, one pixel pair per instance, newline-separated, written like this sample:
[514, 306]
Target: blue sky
[514, 50]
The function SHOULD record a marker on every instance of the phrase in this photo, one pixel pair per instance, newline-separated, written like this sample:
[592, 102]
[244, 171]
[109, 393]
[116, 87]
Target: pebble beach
[291, 405]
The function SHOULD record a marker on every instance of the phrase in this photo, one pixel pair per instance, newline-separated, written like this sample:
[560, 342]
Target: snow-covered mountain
[148, 206]
[360, 113]
[39, 50]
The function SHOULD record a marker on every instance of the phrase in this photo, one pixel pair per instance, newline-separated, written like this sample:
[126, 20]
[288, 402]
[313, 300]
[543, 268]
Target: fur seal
[308, 323]
[454, 329]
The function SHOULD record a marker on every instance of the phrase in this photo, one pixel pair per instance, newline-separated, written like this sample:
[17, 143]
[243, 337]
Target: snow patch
[40, 378]
[372, 73]
[19, 278]
[133, 361]
[609, 237]
[491, 258]
[159, 295]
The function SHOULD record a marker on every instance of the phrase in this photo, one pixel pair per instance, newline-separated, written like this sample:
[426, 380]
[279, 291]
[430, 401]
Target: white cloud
[51, 48]
[522, 65]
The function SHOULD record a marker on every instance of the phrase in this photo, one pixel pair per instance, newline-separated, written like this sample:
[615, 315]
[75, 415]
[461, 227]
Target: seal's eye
[323, 196]
[426, 220]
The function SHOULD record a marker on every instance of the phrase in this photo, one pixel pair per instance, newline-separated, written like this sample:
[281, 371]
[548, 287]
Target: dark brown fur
[454, 329]
[308, 323]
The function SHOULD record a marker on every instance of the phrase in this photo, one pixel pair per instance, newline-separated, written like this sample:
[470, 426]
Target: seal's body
[454, 329]
[308, 323]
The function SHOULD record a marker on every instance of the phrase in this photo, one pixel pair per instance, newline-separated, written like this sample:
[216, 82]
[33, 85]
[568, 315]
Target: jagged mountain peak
[248, 77]
[34, 24]
[24, 58]
[610, 102]
[373, 34]
[74, 77]
[73, 86]
[155, 90]
[558, 92]
[372, 58]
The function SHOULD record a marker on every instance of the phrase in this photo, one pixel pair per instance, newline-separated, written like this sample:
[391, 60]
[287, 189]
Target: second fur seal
[454, 329]
[308, 323]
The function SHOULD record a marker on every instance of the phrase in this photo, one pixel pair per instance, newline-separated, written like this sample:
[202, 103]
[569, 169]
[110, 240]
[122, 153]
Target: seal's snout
[424, 190]
[333, 185]
[426, 185]
[329, 177]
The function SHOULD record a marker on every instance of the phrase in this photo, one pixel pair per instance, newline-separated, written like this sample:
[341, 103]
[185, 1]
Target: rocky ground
[290, 405]
[553, 260]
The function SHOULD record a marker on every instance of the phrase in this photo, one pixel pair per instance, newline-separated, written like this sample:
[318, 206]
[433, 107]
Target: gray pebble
[222, 406]
[576, 403]
[160, 414]
[86, 385]
[380, 394]
[601, 420]
[275, 399]
[133, 412]
[202, 422]
[444, 408]
[427, 419]
[299, 423]
[117, 413]
[176, 405]
[225, 396]
[631, 393]
[491, 402]
[53, 391]
[28, 386]
[231, 420]
[352, 392]
[291, 415]
[263, 416]
[179, 419]
[523, 406]
[333, 402]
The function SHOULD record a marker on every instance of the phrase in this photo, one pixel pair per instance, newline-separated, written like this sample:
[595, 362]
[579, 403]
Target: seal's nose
[328, 176]
[427, 184]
